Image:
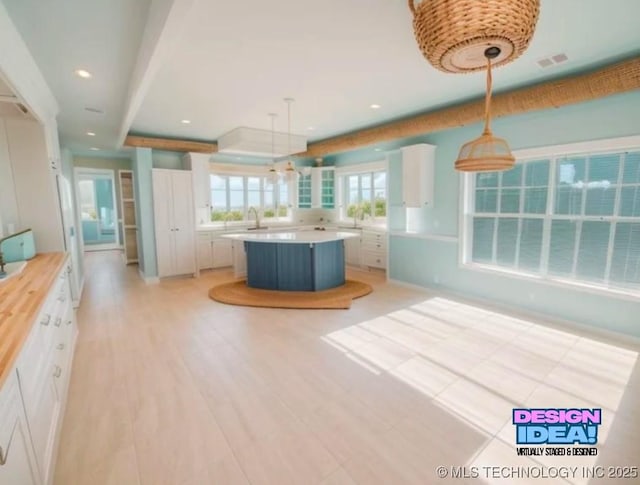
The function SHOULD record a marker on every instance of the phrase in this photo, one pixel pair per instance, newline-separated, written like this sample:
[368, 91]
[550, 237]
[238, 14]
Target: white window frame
[227, 170]
[368, 168]
[552, 153]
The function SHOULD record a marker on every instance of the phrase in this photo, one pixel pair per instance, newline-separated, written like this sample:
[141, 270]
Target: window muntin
[365, 194]
[573, 218]
[232, 195]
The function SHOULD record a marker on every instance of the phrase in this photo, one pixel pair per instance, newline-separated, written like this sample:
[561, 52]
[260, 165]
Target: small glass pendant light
[272, 174]
[290, 171]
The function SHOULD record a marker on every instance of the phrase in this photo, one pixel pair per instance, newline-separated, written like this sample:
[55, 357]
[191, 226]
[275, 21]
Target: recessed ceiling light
[310, 128]
[83, 73]
[186, 122]
[375, 106]
[95, 149]
[90, 133]
[377, 149]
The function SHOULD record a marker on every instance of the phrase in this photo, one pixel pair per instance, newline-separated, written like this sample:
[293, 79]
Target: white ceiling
[233, 62]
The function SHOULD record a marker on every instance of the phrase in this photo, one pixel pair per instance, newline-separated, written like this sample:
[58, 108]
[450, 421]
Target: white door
[184, 227]
[162, 212]
[96, 201]
[70, 236]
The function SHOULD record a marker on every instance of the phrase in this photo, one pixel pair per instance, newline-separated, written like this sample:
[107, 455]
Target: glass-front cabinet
[317, 190]
[304, 192]
[327, 188]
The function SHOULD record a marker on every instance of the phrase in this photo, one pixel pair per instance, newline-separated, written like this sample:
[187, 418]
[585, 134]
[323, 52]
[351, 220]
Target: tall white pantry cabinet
[174, 222]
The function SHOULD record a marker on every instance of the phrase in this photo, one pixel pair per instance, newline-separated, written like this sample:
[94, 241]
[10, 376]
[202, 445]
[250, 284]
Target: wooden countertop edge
[21, 299]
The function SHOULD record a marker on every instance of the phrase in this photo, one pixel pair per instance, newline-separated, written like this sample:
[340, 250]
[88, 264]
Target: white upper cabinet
[418, 162]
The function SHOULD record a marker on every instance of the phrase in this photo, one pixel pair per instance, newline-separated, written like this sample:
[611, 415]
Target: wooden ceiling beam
[614, 79]
[617, 78]
[170, 145]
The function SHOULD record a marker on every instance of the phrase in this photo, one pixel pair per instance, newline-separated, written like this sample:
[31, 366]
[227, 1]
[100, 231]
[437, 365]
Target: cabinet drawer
[374, 237]
[204, 236]
[375, 246]
[374, 260]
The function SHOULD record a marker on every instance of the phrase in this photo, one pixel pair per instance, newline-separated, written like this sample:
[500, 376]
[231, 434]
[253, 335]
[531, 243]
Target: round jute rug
[238, 293]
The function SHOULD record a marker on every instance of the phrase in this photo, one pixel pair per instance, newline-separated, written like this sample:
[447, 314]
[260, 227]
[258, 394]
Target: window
[574, 218]
[232, 195]
[365, 194]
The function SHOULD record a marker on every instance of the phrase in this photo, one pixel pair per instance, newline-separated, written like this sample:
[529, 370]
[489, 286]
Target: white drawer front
[374, 260]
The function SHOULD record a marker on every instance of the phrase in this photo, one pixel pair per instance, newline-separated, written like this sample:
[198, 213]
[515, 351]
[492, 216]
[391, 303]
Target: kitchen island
[294, 261]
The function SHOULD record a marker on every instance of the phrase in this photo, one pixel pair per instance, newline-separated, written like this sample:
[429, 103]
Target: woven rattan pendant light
[486, 153]
[453, 34]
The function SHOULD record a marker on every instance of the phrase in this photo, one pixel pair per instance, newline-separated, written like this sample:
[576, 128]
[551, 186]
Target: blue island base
[295, 266]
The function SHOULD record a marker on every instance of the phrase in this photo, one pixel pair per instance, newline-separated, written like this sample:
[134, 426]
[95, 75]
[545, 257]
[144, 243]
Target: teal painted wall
[433, 263]
[142, 165]
[166, 159]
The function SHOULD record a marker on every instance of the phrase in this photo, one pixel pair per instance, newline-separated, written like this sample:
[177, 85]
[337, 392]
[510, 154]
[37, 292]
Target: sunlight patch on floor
[479, 364]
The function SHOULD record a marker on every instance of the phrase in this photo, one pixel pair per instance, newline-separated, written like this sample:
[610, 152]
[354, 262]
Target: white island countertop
[305, 237]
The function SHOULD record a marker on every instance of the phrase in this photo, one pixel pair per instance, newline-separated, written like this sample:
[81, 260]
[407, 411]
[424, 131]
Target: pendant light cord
[273, 139]
[487, 100]
[289, 129]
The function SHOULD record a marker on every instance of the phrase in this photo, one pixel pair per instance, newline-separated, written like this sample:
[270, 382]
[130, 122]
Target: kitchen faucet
[255, 211]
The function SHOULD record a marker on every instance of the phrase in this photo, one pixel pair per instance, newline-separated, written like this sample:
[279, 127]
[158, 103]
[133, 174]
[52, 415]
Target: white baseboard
[148, 279]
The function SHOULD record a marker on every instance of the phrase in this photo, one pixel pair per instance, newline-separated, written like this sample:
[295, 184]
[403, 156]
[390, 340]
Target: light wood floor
[169, 387]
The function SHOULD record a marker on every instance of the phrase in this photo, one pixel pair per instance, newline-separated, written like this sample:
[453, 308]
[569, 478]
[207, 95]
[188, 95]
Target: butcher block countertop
[21, 298]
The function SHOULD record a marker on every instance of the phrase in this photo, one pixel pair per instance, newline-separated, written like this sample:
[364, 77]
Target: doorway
[96, 199]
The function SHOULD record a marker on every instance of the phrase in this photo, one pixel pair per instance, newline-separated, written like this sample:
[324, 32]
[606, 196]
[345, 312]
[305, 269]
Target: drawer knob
[58, 322]
[62, 298]
[60, 347]
[46, 320]
[69, 322]
[58, 372]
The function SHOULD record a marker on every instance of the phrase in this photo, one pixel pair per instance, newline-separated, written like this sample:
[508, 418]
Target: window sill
[553, 281]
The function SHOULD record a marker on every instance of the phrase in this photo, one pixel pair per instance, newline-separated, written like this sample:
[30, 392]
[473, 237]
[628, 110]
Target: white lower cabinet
[17, 460]
[32, 401]
[222, 253]
[352, 251]
[374, 249]
[205, 251]
[239, 259]
[214, 251]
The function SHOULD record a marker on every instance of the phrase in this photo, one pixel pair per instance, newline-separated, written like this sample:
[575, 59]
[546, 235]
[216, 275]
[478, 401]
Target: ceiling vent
[258, 143]
[97, 111]
[553, 60]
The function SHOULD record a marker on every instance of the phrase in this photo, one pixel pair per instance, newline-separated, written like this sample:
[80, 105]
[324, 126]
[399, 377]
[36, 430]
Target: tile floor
[169, 387]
